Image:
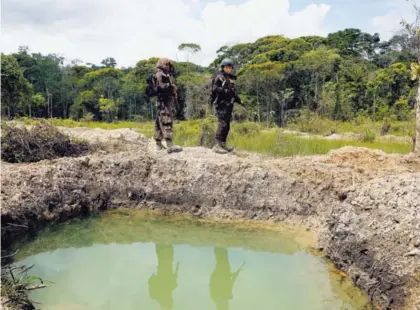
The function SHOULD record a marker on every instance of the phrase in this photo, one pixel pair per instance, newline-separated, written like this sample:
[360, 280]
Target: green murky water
[126, 261]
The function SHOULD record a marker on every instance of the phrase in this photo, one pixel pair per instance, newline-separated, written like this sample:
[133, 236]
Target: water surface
[122, 260]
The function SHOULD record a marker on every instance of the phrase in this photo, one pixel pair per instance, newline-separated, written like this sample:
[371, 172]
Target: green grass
[323, 126]
[16, 285]
[249, 136]
[406, 128]
[289, 146]
[277, 144]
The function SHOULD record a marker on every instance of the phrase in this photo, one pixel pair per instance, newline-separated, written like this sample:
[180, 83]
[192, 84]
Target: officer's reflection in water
[222, 279]
[164, 281]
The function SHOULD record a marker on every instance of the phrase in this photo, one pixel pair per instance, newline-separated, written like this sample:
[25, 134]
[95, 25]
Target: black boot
[172, 148]
[218, 148]
[227, 148]
[159, 145]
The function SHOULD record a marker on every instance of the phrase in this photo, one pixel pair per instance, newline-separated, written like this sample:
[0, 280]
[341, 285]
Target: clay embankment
[364, 205]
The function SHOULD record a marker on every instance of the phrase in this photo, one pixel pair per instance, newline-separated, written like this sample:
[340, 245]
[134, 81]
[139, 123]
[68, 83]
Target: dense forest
[342, 76]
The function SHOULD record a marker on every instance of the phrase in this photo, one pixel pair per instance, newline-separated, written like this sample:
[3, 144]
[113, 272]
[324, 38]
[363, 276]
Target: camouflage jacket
[224, 89]
[165, 86]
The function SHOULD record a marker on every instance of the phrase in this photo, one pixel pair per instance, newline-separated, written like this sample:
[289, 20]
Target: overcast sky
[130, 30]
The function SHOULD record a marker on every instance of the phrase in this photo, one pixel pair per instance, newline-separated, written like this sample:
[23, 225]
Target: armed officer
[223, 96]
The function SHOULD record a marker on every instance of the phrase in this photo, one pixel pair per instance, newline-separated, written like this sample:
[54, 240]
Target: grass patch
[315, 124]
[367, 135]
[310, 124]
[275, 143]
[249, 136]
[254, 137]
[290, 146]
[16, 284]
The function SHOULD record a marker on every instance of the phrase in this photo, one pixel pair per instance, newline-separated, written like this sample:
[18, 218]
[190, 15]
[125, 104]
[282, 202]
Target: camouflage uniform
[164, 281]
[222, 280]
[224, 95]
[165, 98]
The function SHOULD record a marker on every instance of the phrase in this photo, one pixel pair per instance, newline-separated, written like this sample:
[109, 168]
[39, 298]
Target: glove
[238, 100]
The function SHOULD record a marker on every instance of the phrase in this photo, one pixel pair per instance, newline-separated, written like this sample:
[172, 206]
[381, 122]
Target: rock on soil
[363, 204]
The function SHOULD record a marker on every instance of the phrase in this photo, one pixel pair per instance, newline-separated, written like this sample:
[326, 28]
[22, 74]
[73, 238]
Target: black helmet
[226, 62]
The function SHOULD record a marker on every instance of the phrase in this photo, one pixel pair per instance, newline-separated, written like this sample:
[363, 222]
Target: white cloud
[130, 30]
[390, 23]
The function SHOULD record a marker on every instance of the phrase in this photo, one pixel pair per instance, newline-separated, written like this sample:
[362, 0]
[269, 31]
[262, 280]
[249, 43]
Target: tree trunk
[417, 142]
[51, 106]
[48, 102]
[374, 104]
[283, 101]
[258, 100]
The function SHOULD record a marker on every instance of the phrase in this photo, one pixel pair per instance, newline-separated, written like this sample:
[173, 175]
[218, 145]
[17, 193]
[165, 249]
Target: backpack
[212, 96]
[151, 85]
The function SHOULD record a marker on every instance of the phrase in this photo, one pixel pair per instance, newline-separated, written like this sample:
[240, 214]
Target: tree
[193, 95]
[282, 97]
[389, 86]
[105, 81]
[14, 87]
[240, 54]
[85, 102]
[189, 49]
[46, 74]
[132, 93]
[353, 42]
[350, 73]
[251, 81]
[263, 83]
[353, 76]
[37, 100]
[319, 65]
[108, 107]
[415, 67]
[413, 32]
[109, 62]
[394, 50]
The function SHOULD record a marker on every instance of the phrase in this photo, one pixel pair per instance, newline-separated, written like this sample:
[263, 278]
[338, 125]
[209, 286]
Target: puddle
[124, 260]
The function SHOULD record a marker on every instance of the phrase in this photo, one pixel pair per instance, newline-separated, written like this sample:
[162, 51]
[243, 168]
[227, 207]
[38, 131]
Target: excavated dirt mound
[363, 204]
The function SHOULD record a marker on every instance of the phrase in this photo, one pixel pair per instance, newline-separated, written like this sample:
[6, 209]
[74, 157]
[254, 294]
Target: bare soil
[364, 205]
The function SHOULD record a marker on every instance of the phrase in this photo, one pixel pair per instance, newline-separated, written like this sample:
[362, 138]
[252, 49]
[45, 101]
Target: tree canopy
[341, 76]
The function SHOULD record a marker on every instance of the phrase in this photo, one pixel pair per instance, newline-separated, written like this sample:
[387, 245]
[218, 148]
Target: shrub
[367, 135]
[386, 126]
[89, 117]
[312, 123]
[42, 141]
[246, 129]
[16, 284]
[361, 120]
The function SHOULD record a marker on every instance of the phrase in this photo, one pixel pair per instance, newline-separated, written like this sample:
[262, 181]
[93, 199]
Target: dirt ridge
[363, 204]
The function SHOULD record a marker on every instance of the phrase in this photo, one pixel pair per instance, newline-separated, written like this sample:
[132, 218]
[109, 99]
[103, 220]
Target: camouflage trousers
[163, 122]
[224, 116]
